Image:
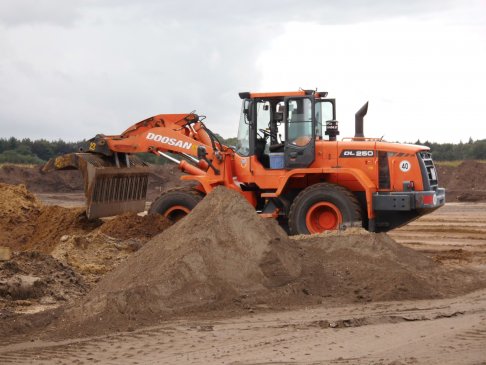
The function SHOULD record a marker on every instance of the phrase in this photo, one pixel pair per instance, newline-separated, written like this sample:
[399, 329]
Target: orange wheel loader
[287, 163]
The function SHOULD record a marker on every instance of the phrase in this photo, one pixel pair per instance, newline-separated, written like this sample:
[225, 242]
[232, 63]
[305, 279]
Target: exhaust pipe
[358, 121]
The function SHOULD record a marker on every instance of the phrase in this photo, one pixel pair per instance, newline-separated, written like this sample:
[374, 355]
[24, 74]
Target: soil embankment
[465, 182]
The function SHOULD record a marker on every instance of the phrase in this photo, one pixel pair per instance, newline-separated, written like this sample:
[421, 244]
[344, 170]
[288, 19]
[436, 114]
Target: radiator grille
[429, 170]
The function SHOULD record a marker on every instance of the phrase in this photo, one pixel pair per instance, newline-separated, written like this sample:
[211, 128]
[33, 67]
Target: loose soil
[210, 263]
[131, 225]
[94, 254]
[36, 280]
[27, 224]
[18, 208]
[92, 248]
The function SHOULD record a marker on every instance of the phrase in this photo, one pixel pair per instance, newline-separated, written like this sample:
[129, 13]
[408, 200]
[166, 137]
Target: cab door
[300, 133]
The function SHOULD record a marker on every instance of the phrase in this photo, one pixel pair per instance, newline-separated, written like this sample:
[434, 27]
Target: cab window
[299, 120]
[324, 112]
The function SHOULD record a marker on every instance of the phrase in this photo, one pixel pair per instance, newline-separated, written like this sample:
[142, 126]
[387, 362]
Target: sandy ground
[446, 331]
[426, 332]
[67, 200]
[454, 234]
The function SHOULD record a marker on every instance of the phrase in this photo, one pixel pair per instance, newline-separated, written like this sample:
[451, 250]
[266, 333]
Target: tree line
[471, 150]
[27, 151]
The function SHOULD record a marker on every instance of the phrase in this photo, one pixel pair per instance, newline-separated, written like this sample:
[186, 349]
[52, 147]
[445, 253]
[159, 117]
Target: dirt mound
[31, 280]
[53, 222]
[373, 267]
[200, 262]
[26, 224]
[18, 208]
[233, 260]
[94, 254]
[131, 225]
[59, 181]
[466, 182]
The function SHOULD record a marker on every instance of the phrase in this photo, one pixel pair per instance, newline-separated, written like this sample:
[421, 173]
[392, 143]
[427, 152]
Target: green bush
[19, 156]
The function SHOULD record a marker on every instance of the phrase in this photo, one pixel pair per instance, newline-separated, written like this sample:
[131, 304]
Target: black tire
[338, 202]
[181, 200]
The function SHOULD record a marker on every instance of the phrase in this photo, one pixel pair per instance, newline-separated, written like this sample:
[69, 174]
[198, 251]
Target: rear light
[428, 199]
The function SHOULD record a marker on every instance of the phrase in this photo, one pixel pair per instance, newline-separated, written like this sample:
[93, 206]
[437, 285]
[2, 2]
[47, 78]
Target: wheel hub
[323, 216]
[176, 212]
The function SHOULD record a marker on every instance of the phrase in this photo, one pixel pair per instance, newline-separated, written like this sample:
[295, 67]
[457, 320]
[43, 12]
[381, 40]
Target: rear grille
[383, 170]
[428, 170]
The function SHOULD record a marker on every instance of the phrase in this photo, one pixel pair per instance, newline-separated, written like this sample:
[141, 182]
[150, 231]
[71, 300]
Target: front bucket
[109, 189]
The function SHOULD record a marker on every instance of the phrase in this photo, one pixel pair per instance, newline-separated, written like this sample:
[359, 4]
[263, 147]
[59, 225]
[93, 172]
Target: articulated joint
[202, 155]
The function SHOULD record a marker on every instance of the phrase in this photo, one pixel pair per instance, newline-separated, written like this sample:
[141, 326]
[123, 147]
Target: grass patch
[29, 165]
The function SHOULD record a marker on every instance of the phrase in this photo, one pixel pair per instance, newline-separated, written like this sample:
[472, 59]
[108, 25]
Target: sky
[73, 69]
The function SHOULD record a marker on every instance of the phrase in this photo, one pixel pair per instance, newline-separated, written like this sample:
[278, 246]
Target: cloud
[71, 69]
[424, 78]
[30, 12]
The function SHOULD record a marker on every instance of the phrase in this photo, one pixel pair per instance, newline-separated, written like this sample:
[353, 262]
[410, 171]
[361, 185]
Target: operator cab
[288, 124]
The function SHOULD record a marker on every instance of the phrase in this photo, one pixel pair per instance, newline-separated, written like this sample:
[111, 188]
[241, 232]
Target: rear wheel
[176, 203]
[323, 207]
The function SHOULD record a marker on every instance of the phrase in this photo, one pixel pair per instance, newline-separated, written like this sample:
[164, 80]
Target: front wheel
[323, 207]
[176, 203]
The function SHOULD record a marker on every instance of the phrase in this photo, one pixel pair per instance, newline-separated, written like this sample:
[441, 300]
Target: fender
[359, 175]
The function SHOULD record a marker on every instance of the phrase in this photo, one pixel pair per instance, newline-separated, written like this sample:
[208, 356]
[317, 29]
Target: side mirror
[332, 129]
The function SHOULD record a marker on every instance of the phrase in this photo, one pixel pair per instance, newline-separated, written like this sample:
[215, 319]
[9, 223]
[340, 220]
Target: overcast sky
[72, 69]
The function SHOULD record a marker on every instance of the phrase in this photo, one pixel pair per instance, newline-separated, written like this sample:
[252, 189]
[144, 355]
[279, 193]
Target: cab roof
[281, 94]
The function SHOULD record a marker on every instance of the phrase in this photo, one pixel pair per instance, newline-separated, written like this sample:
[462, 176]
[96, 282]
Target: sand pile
[26, 224]
[373, 267]
[131, 225]
[94, 254]
[203, 261]
[97, 252]
[18, 209]
[466, 182]
[53, 222]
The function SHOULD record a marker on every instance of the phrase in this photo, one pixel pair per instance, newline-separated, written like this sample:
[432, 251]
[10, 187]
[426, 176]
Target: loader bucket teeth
[109, 190]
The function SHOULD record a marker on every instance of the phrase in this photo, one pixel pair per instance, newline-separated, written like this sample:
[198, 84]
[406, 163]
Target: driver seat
[278, 147]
